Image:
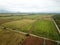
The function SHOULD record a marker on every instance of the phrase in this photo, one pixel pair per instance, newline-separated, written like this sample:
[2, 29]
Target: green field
[39, 25]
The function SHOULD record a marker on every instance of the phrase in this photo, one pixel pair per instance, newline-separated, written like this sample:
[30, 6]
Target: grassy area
[45, 28]
[22, 25]
[8, 18]
[8, 37]
[35, 24]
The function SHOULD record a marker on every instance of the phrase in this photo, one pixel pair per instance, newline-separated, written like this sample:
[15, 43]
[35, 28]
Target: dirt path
[56, 25]
[33, 39]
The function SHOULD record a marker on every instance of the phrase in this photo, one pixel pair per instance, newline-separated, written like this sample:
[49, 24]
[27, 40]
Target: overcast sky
[31, 5]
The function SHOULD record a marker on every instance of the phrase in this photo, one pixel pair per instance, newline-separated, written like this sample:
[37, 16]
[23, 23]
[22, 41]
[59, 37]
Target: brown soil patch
[48, 42]
[33, 41]
[46, 18]
[30, 40]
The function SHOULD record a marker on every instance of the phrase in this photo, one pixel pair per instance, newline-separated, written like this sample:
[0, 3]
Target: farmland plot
[45, 28]
[42, 26]
[8, 37]
[22, 25]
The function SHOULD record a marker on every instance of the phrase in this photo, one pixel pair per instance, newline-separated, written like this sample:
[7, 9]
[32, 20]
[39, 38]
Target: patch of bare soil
[33, 41]
[48, 42]
[30, 40]
[46, 18]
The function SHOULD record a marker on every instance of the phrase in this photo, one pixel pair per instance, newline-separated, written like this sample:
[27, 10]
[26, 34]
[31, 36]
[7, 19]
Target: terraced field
[42, 26]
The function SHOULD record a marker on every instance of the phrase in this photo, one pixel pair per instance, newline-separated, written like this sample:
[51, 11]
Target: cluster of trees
[57, 19]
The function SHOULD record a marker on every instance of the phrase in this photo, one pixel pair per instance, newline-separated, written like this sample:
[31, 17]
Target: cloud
[31, 5]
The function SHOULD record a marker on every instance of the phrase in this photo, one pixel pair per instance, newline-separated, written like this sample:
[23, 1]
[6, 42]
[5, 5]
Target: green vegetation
[22, 25]
[40, 25]
[57, 19]
[45, 28]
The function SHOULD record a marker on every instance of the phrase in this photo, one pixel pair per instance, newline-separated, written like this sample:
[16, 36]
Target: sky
[31, 5]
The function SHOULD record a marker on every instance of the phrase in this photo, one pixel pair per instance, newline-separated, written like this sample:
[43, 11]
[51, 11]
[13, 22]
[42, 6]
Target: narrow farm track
[34, 35]
[33, 38]
[56, 25]
[41, 27]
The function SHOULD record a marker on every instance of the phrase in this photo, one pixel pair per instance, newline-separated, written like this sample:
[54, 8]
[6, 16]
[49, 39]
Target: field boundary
[58, 42]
